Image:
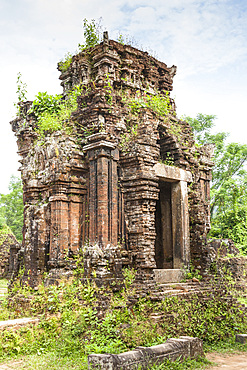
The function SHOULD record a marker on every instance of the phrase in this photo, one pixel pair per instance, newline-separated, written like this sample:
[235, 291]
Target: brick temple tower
[125, 184]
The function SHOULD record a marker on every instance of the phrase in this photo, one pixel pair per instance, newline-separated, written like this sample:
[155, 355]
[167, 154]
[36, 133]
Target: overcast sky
[206, 40]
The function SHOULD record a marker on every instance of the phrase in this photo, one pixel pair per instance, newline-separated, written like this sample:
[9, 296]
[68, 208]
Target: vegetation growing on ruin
[21, 93]
[54, 112]
[92, 32]
[66, 61]
[73, 323]
[159, 103]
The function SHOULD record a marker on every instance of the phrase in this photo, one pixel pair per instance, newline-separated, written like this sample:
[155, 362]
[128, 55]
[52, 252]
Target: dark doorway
[163, 225]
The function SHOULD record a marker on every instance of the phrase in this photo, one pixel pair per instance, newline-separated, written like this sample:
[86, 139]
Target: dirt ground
[10, 365]
[236, 361]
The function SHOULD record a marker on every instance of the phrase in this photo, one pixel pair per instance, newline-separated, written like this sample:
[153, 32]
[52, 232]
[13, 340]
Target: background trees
[228, 189]
[11, 208]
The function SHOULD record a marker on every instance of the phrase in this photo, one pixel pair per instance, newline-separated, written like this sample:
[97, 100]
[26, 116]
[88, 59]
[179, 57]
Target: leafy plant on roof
[21, 92]
[92, 36]
[64, 64]
[46, 103]
[52, 111]
[159, 103]
[92, 33]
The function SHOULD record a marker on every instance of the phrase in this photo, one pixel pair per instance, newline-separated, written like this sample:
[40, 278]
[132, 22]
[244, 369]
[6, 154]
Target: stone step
[161, 297]
[168, 275]
[187, 283]
[180, 286]
[172, 289]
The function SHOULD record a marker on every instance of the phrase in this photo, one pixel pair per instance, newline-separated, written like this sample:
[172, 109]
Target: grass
[227, 346]
[73, 324]
[3, 283]
[52, 361]
[200, 363]
[49, 361]
[243, 300]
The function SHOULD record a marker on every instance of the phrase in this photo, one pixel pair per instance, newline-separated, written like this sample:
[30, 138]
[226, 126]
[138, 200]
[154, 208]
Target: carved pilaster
[103, 190]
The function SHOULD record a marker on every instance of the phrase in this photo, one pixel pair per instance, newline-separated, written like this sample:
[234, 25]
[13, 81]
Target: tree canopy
[228, 190]
[11, 208]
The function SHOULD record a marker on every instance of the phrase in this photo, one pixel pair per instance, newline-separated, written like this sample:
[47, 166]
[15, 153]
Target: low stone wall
[16, 323]
[144, 357]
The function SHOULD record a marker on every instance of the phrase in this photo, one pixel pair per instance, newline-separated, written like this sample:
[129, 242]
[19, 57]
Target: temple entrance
[163, 225]
[172, 252]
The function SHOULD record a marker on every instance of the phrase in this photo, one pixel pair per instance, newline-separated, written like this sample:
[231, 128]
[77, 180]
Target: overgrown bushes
[77, 319]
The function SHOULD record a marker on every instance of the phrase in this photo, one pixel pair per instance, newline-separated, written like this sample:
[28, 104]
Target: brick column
[103, 190]
[59, 232]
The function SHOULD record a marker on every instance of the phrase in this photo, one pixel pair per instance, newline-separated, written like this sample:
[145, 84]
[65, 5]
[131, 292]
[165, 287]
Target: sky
[206, 40]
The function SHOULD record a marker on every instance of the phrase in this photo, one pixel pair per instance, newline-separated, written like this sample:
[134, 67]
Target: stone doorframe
[180, 211]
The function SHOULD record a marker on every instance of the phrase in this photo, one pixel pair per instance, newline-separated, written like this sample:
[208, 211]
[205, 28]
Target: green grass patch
[49, 361]
[243, 300]
[3, 283]
[200, 363]
[227, 346]
[73, 324]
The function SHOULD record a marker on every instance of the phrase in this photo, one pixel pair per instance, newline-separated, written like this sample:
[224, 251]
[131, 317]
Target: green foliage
[159, 103]
[91, 33]
[199, 363]
[129, 277]
[65, 62]
[201, 125]
[21, 92]
[3, 283]
[45, 103]
[192, 272]
[230, 216]
[2, 220]
[228, 191]
[73, 323]
[11, 207]
[121, 39]
[53, 112]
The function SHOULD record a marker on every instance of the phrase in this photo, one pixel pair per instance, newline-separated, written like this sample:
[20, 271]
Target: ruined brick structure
[125, 185]
[9, 247]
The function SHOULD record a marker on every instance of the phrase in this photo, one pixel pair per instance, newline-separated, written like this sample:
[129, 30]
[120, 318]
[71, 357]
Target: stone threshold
[162, 276]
